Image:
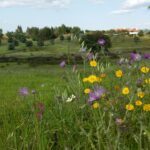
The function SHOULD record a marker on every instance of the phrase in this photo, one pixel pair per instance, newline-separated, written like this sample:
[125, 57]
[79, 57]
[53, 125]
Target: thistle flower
[90, 56]
[62, 64]
[96, 95]
[135, 56]
[101, 42]
[24, 91]
[146, 56]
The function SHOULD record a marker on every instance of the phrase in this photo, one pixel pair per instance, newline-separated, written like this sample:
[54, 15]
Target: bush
[90, 41]
[29, 43]
[61, 38]
[40, 43]
[16, 42]
[11, 46]
[68, 38]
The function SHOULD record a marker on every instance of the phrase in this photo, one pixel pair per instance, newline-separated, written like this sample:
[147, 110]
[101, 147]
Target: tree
[33, 33]
[136, 40]
[141, 33]
[91, 39]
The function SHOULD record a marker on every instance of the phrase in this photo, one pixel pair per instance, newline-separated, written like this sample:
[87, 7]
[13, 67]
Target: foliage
[29, 43]
[11, 46]
[90, 41]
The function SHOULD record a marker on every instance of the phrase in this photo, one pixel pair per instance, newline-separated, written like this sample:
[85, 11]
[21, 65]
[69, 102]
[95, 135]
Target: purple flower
[101, 42]
[24, 91]
[90, 56]
[97, 94]
[146, 56]
[135, 56]
[63, 64]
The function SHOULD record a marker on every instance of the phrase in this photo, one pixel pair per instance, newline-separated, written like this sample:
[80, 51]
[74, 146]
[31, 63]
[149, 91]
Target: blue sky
[88, 14]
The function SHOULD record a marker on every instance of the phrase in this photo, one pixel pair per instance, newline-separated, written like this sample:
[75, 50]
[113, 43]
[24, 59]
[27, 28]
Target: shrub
[11, 46]
[40, 43]
[29, 43]
[16, 42]
[61, 38]
[90, 41]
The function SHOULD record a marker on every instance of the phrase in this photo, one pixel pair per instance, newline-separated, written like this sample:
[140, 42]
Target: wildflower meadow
[102, 104]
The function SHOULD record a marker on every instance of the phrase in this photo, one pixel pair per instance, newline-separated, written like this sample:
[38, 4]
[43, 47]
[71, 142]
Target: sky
[87, 14]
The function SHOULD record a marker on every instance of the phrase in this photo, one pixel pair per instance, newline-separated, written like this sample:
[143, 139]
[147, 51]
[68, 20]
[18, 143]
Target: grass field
[74, 125]
[120, 45]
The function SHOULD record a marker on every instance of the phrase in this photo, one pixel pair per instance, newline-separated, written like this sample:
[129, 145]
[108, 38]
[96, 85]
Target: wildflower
[135, 56]
[85, 79]
[97, 94]
[145, 70]
[24, 91]
[90, 56]
[125, 91]
[129, 107]
[101, 42]
[96, 105]
[92, 79]
[140, 94]
[138, 103]
[146, 56]
[62, 64]
[103, 75]
[71, 98]
[147, 81]
[119, 121]
[93, 63]
[146, 107]
[119, 73]
[33, 91]
[87, 91]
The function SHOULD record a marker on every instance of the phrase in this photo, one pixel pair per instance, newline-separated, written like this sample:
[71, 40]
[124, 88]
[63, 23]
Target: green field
[72, 125]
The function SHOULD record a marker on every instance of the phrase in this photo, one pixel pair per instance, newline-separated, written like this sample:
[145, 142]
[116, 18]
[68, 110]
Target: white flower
[70, 99]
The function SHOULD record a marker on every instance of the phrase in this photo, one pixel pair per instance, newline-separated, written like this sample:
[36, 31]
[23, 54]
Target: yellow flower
[147, 81]
[145, 69]
[140, 94]
[125, 91]
[96, 105]
[93, 63]
[129, 107]
[146, 107]
[138, 103]
[85, 79]
[119, 73]
[92, 79]
[87, 91]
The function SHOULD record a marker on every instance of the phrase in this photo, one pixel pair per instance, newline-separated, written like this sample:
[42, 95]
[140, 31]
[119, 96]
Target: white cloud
[131, 5]
[34, 3]
[122, 11]
[97, 1]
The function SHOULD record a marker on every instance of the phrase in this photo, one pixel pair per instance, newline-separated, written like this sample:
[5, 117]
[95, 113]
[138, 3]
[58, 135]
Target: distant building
[133, 33]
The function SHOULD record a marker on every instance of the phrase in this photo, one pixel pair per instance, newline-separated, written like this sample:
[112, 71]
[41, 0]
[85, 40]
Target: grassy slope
[120, 45]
